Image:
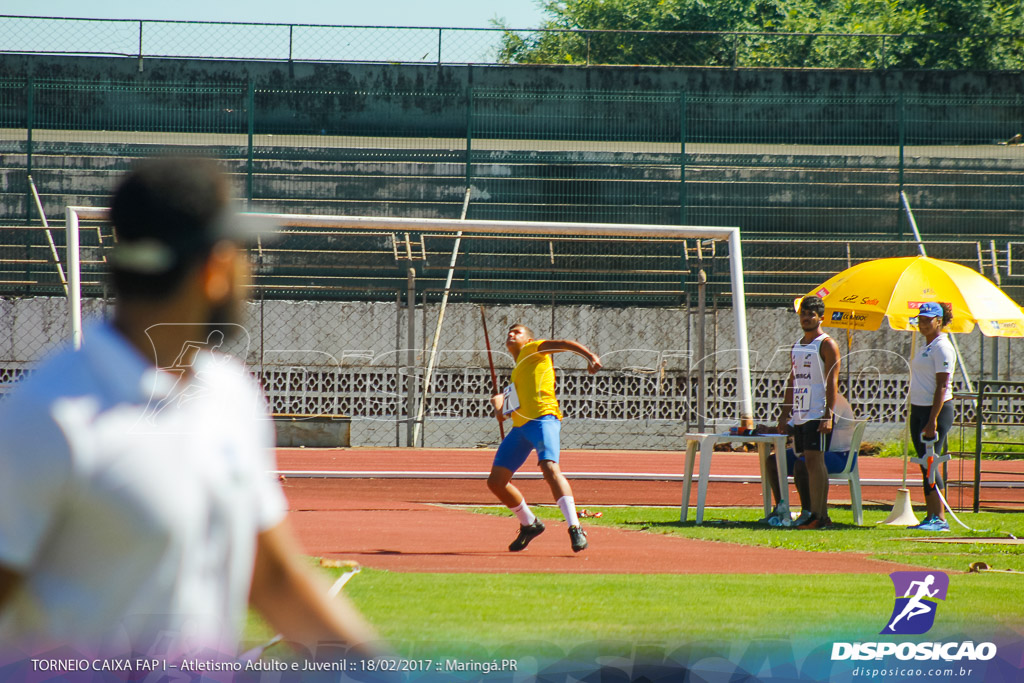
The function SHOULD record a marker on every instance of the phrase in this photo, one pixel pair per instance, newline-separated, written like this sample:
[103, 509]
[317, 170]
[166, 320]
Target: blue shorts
[541, 435]
[835, 461]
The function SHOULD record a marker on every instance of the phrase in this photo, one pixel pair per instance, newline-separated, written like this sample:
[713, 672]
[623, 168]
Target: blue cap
[930, 310]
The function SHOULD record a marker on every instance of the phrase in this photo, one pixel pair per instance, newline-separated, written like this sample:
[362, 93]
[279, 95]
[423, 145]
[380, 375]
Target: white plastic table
[706, 443]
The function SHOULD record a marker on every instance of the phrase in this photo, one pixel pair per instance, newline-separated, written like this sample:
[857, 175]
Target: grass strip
[879, 541]
[479, 616]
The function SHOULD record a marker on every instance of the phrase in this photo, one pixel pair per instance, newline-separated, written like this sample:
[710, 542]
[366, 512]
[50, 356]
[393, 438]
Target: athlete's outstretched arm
[558, 345]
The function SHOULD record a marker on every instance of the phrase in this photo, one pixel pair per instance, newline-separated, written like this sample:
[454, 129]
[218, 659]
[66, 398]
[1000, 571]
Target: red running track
[402, 524]
[404, 462]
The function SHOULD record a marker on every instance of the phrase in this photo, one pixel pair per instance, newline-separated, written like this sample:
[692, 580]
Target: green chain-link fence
[818, 171]
[443, 45]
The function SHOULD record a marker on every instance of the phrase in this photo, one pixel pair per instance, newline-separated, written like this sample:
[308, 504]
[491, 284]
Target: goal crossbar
[731, 235]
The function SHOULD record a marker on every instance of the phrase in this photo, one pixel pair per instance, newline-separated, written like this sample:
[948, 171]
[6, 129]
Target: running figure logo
[917, 594]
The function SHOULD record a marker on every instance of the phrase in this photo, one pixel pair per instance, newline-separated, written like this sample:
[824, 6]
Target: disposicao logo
[917, 596]
[917, 600]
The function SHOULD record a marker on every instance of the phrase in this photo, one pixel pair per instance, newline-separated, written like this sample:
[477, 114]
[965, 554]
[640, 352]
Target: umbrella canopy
[894, 288]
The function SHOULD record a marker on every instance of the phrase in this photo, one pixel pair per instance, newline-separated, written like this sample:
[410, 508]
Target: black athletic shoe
[578, 537]
[527, 532]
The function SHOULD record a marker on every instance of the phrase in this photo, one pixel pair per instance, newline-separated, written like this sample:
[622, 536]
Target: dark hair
[173, 202]
[947, 313]
[529, 332]
[813, 304]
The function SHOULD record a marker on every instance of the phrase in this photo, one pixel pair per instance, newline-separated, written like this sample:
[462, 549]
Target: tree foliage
[928, 34]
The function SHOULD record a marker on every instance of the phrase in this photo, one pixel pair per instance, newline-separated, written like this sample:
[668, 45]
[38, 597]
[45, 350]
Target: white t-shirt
[130, 501]
[843, 425]
[939, 356]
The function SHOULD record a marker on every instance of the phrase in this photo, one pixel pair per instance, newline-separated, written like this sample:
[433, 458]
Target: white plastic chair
[851, 473]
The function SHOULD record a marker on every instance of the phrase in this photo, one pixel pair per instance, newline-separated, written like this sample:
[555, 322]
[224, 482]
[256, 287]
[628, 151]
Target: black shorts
[918, 418]
[806, 437]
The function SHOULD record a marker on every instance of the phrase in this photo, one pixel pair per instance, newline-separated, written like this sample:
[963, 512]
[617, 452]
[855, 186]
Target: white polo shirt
[939, 356]
[132, 505]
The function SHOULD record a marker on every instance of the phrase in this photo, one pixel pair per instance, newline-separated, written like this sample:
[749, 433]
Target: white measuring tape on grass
[351, 569]
[931, 463]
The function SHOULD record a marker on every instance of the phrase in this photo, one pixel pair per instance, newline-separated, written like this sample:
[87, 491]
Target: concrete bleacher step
[777, 195]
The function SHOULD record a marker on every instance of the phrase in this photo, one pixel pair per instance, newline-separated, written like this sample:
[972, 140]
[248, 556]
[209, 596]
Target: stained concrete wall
[430, 99]
[367, 338]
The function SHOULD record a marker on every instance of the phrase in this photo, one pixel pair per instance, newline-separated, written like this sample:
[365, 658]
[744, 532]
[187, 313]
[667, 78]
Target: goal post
[538, 233]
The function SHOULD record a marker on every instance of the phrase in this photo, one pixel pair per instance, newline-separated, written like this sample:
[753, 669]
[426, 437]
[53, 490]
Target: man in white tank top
[810, 401]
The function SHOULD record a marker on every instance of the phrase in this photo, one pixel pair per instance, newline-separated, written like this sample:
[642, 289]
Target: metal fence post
[701, 332]
[996, 278]
[901, 134]
[469, 135]
[291, 63]
[140, 47]
[398, 374]
[979, 412]
[410, 365]
[251, 106]
[682, 158]
[29, 123]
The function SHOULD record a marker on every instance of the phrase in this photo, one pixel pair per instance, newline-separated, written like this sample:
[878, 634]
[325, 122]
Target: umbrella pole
[906, 421]
[902, 513]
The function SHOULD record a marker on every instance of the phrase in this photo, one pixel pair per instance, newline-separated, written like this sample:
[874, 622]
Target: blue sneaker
[936, 525]
[932, 523]
[926, 520]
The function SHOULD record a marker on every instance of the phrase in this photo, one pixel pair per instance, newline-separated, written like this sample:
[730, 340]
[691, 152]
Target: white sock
[567, 504]
[524, 514]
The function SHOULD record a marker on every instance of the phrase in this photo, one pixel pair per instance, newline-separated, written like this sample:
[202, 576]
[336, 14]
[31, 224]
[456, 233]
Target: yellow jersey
[534, 382]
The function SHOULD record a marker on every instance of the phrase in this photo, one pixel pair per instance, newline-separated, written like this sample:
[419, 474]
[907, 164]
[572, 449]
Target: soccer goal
[383, 319]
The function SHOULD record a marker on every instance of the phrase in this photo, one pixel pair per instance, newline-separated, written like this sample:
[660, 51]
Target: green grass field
[896, 544]
[997, 444]
[478, 616]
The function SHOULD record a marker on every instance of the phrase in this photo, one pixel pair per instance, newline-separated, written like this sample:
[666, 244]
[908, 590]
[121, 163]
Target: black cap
[169, 209]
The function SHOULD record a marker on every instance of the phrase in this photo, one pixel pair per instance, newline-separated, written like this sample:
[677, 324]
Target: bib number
[511, 400]
[801, 400]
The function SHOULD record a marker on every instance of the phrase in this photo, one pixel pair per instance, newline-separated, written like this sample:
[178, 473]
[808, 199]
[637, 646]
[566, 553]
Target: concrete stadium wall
[312, 352]
[416, 93]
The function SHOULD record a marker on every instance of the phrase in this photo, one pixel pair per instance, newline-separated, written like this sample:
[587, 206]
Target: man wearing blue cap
[931, 395]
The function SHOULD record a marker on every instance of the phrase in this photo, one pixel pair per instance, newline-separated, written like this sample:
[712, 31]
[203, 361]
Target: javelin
[490, 359]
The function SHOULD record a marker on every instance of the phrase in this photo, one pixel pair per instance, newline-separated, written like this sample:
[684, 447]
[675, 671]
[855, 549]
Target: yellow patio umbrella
[861, 296]
[894, 288]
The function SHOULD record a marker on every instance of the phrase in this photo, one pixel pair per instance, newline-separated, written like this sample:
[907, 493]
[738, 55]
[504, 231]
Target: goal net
[382, 320]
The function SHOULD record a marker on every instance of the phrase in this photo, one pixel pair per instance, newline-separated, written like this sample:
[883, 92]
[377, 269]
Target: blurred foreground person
[138, 509]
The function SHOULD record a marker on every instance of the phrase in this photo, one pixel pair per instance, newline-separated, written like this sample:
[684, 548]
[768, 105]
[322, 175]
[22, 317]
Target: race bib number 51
[801, 400]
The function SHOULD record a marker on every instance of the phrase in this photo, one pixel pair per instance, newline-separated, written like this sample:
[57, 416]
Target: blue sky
[271, 42]
[475, 14]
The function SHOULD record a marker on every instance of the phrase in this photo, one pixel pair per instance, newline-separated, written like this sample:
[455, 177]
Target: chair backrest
[855, 439]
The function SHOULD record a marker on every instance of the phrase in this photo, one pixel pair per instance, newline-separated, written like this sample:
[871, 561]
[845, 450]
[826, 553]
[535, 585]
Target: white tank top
[808, 381]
